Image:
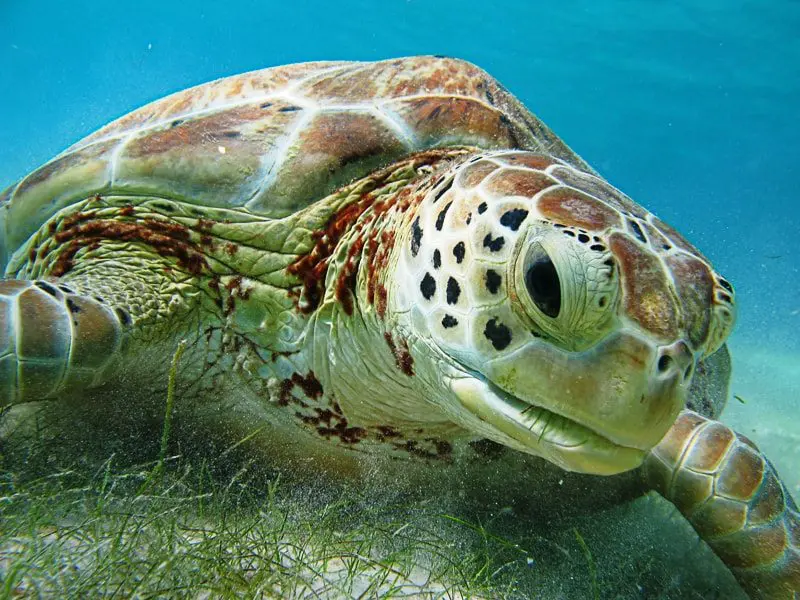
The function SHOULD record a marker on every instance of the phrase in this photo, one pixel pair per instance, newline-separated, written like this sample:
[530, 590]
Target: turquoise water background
[689, 107]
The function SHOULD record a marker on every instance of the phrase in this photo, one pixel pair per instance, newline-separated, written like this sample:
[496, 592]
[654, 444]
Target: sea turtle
[390, 258]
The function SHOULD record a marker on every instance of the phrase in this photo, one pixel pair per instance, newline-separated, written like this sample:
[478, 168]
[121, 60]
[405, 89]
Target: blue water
[690, 107]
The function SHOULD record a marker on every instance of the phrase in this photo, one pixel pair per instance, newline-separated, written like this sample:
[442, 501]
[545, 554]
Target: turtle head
[566, 319]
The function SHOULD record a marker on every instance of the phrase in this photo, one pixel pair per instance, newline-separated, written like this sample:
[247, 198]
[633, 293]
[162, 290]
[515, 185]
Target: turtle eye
[542, 282]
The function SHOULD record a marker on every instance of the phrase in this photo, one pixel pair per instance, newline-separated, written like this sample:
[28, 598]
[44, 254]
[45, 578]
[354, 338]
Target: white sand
[769, 383]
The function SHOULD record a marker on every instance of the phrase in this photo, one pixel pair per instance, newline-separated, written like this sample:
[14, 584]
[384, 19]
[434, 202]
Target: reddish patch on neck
[168, 239]
[312, 268]
[402, 357]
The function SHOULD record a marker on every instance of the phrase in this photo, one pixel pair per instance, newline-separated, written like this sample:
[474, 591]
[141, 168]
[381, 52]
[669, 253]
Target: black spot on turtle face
[513, 218]
[290, 108]
[427, 286]
[443, 191]
[449, 321]
[453, 291]
[437, 259]
[176, 122]
[583, 238]
[726, 285]
[459, 250]
[482, 208]
[498, 334]
[265, 105]
[65, 288]
[493, 244]
[493, 281]
[416, 237]
[469, 218]
[441, 216]
[46, 287]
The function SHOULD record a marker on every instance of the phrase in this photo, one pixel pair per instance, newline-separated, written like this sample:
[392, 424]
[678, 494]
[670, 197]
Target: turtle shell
[273, 141]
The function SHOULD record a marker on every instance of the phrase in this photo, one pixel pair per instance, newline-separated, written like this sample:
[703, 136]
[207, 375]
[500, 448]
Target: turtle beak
[537, 431]
[596, 411]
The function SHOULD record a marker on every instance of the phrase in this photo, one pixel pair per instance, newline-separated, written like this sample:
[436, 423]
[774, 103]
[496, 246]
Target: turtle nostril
[675, 359]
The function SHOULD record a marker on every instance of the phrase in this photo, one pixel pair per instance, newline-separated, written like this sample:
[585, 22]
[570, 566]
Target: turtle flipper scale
[53, 340]
[733, 497]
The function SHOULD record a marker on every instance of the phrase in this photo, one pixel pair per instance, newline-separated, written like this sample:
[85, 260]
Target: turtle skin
[391, 258]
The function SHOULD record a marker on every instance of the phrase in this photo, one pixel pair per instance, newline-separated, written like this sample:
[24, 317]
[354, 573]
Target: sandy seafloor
[768, 381]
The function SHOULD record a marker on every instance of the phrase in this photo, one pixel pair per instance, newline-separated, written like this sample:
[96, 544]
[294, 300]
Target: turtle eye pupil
[543, 284]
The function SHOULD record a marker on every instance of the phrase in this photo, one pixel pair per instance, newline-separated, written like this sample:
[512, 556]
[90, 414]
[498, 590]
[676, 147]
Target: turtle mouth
[536, 430]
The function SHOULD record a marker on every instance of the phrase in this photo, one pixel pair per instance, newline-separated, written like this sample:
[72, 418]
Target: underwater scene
[508, 307]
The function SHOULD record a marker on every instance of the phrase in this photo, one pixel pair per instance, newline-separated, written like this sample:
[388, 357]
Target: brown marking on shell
[215, 94]
[599, 189]
[439, 120]
[694, 283]
[518, 182]
[471, 175]
[361, 82]
[568, 206]
[167, 239]
[332, 150]
[185, 160]
[199, 131]
[646, 291]
[538, 162]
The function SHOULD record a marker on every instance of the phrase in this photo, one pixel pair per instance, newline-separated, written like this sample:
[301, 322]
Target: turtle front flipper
[53, 340]
[731, 494]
